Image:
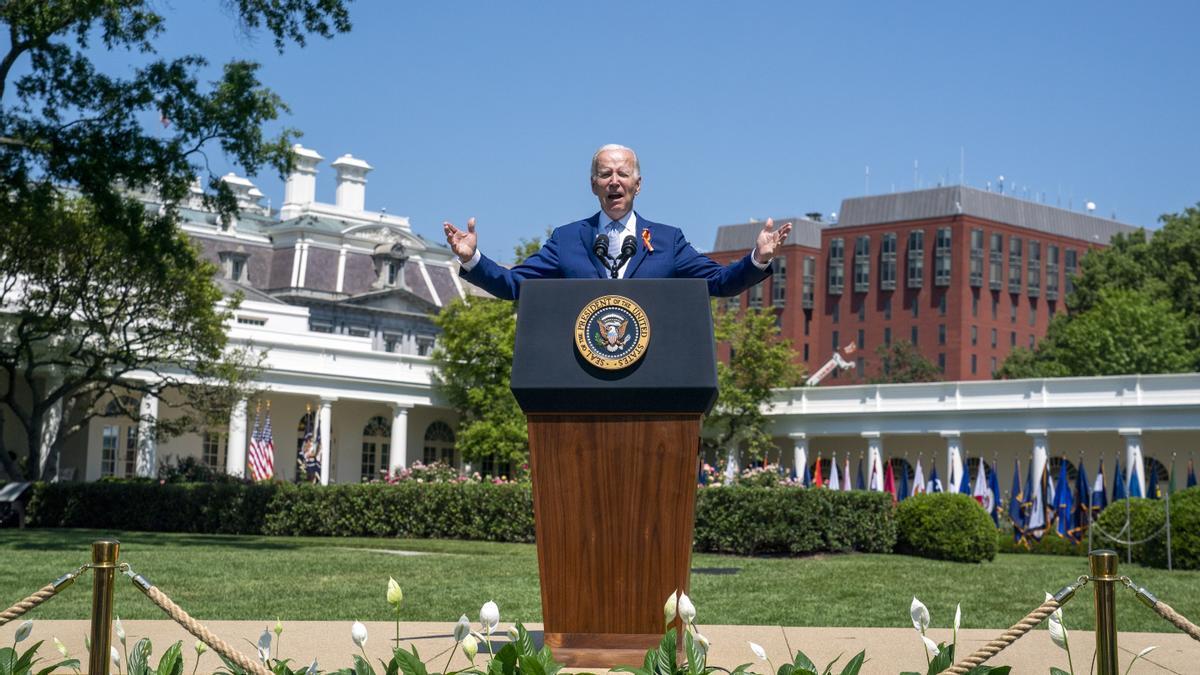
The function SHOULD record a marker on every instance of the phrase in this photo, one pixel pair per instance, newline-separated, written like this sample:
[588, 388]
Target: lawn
[236, 577]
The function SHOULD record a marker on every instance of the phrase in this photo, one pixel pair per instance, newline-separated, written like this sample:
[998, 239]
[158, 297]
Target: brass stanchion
[1103, 564]
[104, 562]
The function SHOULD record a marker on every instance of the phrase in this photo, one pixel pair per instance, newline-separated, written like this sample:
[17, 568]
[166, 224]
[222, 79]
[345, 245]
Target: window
[916, 258]
[130, 451]
[995, 306]
[942, 361]
[807, 324]
[1032, 313]
[1032, 340]
[233, 266]
[975, 304]
[376, 439]
[941, 333]
[862, 340]
[439, 444]
[976, 258]
[778, 281]
[1012, 311]
[212, 450]
[495, 468]
[993, 366]
[810, 282]
[994, 342]
[837, 310]
[862, 264]
[358, 331]
[995, 261]
[837, 265]
[425, 344]
[237, 269]
[887, 308]
[1070, 263]
[391, 343]
[914, 335]
[754, 297]
[887, 335]
[1012, 339]
[916, 306]
[394, 268]
[887, 262]
[108, 450]
[862, 309]
[973, 364]
[1034, 279]
[805, 351]
[974, 335]
[836, 336]
[389, 265]
[860, 365]
[942, 258]
[1051, 272]
[1014, 264]
[320, 326]
[733, 304]
[942, 305]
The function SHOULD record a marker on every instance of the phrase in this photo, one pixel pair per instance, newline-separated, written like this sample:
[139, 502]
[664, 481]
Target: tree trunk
[10, 467]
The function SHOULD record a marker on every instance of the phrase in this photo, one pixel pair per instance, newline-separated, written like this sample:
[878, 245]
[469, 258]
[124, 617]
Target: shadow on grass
[58, 540]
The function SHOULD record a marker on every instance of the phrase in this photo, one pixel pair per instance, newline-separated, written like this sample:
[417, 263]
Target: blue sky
[737, 110]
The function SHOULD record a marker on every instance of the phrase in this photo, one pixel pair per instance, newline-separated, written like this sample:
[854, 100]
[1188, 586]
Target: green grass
[233, 577]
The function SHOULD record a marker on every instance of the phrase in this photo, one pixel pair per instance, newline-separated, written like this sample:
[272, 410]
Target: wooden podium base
[614, 497]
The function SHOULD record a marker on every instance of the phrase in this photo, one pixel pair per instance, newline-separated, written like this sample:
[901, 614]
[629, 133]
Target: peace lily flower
[920, 616]
[200, 647]
[312, 668]
[278, 627]
[462, 629]
[670, 608]
[470, 647]
[395, 596]
[115, 656]
[489, 616]
[87, 643]
[1058, 632]
[62, 649]
[957, 622]
[513, 633]
[758, 650]
[703, 642]
[930, 647]
[358, 633]
[687, 611]
[120, 631]
[264, 646]
[1140, 654]
[24, 630]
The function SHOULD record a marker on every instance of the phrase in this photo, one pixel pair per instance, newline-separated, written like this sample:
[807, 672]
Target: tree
[1124, 332]
[758, 363]
[94, 286]
[901, 362]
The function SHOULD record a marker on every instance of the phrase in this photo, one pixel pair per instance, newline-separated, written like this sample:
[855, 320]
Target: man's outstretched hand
[464, 243]
[767, 246]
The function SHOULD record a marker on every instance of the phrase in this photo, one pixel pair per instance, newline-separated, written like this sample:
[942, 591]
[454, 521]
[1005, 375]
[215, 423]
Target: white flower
[920, 616]
[758, 651]
[358, 633]
[62, 649]
[703, 642]
[513, 633]
[1146, 651]
[312, 668]
[462, 629]
[115, 655]
[395, 596]
[687, 611]
[200, 647]
[669, 609]
[489, 616]
[278, 627]
[24, 630]
[264, 646]
[120, 631]
[1058, 632]
[470, 647]
[930, 646]
[87, 643]
[957, 620]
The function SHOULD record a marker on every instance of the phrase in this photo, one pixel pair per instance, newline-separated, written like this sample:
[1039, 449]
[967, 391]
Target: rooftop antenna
[1001, 184]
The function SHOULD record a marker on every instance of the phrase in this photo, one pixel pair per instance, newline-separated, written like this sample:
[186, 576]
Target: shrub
[1146, 519]
[945, 526]
[792, 521]
[1050, 544]
[1185, 534]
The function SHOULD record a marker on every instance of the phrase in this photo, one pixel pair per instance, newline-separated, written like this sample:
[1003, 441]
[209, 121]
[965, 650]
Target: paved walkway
[889, 650]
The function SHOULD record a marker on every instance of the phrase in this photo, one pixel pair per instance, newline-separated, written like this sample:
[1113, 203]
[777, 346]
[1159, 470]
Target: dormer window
[389, 264]
[233, 266]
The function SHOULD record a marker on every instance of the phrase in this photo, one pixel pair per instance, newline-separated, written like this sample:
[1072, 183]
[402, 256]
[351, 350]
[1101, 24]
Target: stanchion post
[1103, 564]
[104, 562]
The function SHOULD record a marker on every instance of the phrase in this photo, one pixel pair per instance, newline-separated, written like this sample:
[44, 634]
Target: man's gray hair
[637, 165]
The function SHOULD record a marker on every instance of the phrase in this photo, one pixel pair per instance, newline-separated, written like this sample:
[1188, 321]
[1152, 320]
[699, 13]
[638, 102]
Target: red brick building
[962, 273]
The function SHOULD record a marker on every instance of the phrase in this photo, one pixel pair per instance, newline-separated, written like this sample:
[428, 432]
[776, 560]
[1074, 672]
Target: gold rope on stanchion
[1163, 609]
[1018, 629]
[192, 626]
[41, 595]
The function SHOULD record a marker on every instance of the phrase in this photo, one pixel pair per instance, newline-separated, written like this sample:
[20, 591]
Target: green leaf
[1058, 671]
[171, 662]
[233, 668]
[26, 660]
[695, 654]
[67, 664]
[524, 643]
[139, 658]
[786, 669]
[531, 666]
[667, 661]
[802, 661]
[942, 661]
[855, 663]
[409, 663]
[989, 670]
[362, 666]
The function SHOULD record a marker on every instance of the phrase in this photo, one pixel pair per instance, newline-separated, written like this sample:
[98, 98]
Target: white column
[1041, 448]
[341, 268]
[51, 423]
[874, 460]
[147, 445]
[398, 449]
[954, 463]
[799, 453]
[1135, 468]
[235, 451]
[731, 461]
[324, 419]
[296, 264]
[303, 263]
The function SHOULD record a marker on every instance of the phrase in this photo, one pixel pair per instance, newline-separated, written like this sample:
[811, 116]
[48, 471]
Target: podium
[614, 456]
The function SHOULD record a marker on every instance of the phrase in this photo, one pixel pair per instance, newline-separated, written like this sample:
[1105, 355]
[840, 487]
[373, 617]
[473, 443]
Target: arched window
[1153, 467]
[119, 440]
[377, 437]
[439, 444]
[1053, 466]
[901, 467]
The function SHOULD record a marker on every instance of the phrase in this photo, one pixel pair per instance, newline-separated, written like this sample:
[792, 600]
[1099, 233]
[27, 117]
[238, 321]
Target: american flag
[262, 450]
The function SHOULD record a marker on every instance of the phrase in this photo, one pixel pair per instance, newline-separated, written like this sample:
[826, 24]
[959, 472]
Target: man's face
[616, 182]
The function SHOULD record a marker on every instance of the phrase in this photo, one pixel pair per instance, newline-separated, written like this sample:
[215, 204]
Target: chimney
[243, 190]
[301, 186]
[351, 182]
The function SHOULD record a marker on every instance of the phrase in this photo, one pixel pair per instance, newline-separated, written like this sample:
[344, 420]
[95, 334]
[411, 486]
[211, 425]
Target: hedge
[945, 526]
[1146, 518]
[741, 520]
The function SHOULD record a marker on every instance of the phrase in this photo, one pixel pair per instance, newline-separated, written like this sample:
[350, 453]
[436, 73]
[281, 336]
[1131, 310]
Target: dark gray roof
[741, 237]
[964, 200]
[230, 287]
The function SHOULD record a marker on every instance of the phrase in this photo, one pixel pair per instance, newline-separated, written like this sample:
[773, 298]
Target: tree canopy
[95, 286]
[901, 362]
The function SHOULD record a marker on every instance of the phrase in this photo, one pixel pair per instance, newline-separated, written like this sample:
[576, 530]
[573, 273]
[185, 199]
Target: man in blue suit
[661, 250]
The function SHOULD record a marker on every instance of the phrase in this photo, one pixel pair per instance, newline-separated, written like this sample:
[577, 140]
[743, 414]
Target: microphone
[600, 247]
[628, 248]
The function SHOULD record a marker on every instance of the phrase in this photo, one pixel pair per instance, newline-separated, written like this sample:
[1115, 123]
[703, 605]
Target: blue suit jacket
[568, 255]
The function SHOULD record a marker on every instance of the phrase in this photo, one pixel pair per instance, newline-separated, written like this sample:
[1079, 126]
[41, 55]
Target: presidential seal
[612, 332]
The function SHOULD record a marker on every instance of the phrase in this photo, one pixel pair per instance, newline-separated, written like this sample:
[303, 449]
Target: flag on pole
[918, 485]
[889, 481]
[808, 478]
[1191, 479]
[835, 483]
[1016, 504]
[262, 449]
[253, 441]
[1152, 489]
[964, 484]
[1171, 479]
[1035, 521]
[862, 483]
[817, 479]
[935, 483]
[982, 492]
[1064, 505]
[1118, 482]
[902, 490]
[1099, 493]
[994, 488]
[1135, 483]
[876, 481]
[846, 474]
[1083, 495]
